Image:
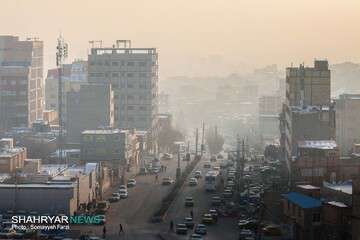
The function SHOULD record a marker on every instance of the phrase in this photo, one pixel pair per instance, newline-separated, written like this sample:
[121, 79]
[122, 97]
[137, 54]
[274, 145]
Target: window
[130, 107]
[130, 75]
[115, 75]
[130, 64]
[142, 108]
[142, 75]
[316, 217]
[115, 64]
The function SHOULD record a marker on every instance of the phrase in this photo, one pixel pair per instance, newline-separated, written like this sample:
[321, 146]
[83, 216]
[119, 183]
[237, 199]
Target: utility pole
[178, 169]
[61, 55]
[202, 139]
[238, 162]
[196, 142]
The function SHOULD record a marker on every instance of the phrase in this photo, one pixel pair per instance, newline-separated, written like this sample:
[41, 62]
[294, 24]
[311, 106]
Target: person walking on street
[192, 214]
[156, 178]
[104, 232]
[121, 229]
[171, 225]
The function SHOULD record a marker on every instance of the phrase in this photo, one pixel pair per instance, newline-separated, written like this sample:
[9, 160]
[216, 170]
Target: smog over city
[200, 120]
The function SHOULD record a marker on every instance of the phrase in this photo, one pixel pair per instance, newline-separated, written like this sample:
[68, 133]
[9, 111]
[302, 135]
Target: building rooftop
[318, 144]
[337, 204]
[9, 152]
[345, 187]
[308, 187]
[103, 131]
[301, 200]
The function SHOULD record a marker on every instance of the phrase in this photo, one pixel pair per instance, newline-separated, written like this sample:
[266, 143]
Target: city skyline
[236, 36]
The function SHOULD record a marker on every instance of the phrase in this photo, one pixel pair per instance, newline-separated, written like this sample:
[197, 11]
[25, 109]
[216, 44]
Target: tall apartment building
[347, 122]
[308, 113]
[90, 108]
[21, 82]
[308, 85]
[133, 74]
[269, 110]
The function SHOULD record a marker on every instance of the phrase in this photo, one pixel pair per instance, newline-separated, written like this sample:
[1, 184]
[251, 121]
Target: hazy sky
[196, 37]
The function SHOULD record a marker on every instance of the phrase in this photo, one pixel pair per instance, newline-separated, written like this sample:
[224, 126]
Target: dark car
[189, 202]
[181, 228]
[200, 229]
[188, 221]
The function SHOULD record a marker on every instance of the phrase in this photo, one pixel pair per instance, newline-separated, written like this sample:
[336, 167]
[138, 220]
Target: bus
[212, 180]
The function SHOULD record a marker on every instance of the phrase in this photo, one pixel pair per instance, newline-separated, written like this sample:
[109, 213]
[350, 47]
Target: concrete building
[317, 161]
[133, 74]
[304, 214]
[90, 108]
[108, 146]
[347, 110]
[11, 158]
[56, 189]
[269, 110]
[308, 85]
[73, 75]
[308, 113]
[21, 82]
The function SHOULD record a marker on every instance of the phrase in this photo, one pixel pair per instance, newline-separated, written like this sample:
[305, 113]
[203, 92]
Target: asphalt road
[135, 211]
[225, 228]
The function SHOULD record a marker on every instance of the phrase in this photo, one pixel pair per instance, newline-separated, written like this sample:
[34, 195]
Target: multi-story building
[308, 113]
[347, 125]
[269, 110]
[72, 76]
[21, 82]
[90, 108]
[308, 85]
[133, 74]
[317, 161]
[11, 158]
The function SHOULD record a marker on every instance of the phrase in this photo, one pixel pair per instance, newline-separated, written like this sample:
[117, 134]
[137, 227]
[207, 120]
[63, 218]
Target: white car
[123, 193]
[131, 183]
[193, 182]
[122, 187]
[114, 197]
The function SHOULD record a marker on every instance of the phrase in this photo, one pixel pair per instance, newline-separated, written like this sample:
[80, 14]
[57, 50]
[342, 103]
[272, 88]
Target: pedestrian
[104, 232]
[192, 214]
[171, 225]
[121, 230]
[165, 168]
[156, 178]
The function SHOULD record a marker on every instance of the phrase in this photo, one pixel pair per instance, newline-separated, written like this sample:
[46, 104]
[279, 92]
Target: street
[135, 212]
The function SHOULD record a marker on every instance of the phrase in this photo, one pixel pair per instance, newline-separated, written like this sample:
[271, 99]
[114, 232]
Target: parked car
[214, 214]
[197, 174]
[215, 201]
[213, 158]
[195, 236]
[131, 183]
[227, 194]
[167, 181]
[247, 224]
[114, 197]
[207, 165]
[102, 207]
[123, 193]
[207, 219]
[193, 182]
[189, 202]
[200, 229]
[189, 222]
[167, 156]
[122, 187]
[181, 228]
[246, 234]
